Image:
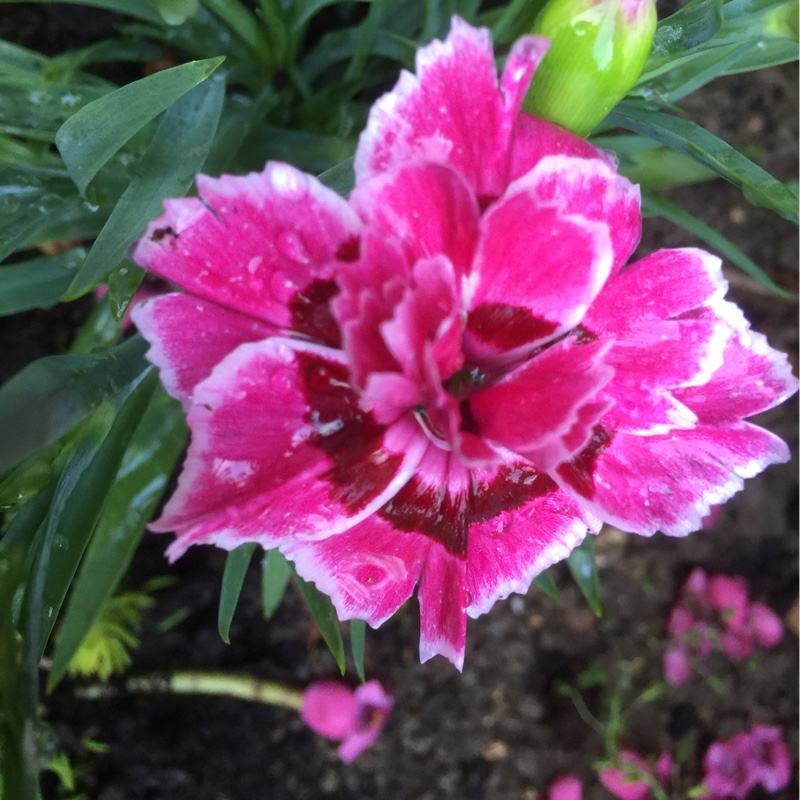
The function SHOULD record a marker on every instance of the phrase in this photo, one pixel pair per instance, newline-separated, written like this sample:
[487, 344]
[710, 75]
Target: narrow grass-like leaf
[37, 282]
[582, 565]
[695, 23]
[232, 579]
[340, 178]
[50, 396]
[71, 521]
[167, 169]
[660, 207]
[358, 631]
[325, 616]
[544, 580]
[239, 20]
[689, 138]
[275, 574]
[139, 486]
[19, 61]
[89, 138]
[100, 331]
[141, 9]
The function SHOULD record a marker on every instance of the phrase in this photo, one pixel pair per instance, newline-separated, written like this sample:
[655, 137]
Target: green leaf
[37, 282]
[582, 565]
[139, 486]
[358, 631]
[544, 580]
[50, 396]
[89, 138]
[244, 26]
[176, 12]
[75, 512]
[232, 579]
[167, 169]
[100, 331]
[660, 207]
[325, 616]
[758, 186]
[276, 571]
[695, 23]
[142, 9]
[340, 178]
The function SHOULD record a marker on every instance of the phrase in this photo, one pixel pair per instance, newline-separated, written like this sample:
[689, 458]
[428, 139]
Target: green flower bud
[598, 49]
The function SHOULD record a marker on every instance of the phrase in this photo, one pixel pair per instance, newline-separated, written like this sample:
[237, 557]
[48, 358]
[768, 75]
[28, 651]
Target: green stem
[217, 684]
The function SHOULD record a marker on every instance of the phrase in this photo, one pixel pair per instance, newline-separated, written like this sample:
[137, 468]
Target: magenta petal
[368, 571]
[541, 400]
[451, 111]
[773, 762]
[730, 596]
[330, 709]
[565, 787]
[677, 667]
[766, 625]
[188, 337]
[540, 265]
[442, 607]
[374, 708]
[314, 466]
[426, 209]
[508, 549]
[648, 483]
[250, 244]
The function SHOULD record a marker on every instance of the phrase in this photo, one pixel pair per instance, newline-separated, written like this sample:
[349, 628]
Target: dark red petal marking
[512, 487]
[360, 467]
[311, 313]
[507, 327]
[432, 511]
[578, 472]
[350, 250]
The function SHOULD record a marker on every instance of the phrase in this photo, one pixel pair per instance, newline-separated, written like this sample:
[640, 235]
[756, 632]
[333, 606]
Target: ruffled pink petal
[541, 401]
[330, 708]
[617, 782]
[737, 644]
[661, 286]
[188, 337]
[509, 545]
[442, 607]
[540, 261]
[315, 465]
[263, 244]
[426, 209]
[647, 483]
[729, 767]
[368, 571]
[751, 378]
[451, 111]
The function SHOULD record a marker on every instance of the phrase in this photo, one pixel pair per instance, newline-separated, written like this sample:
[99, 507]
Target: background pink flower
[354, 718]
[630, 780]
[447, 380]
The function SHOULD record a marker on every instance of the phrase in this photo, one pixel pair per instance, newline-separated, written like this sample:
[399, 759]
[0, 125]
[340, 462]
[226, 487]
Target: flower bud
[598, 49]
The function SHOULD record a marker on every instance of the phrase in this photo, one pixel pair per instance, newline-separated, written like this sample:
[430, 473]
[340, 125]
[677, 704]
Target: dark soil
[498, 731]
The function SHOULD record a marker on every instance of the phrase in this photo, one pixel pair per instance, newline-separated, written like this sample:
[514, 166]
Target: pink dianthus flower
[448, 379]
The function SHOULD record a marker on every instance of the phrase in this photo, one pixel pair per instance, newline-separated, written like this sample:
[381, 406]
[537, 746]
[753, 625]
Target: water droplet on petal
[291, 245]
[288, 182]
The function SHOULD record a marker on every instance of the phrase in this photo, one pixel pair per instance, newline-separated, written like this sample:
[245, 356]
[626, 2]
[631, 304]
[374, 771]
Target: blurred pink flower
[354, 718]
[629, 781]
[735, 766]
[716, 612]
[565, 787]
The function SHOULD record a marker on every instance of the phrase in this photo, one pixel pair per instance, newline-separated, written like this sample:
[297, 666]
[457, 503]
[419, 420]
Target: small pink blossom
[629, 781]
[565, 787]
[354, 718]
[716, 612]
[443, 383]
[735, 766]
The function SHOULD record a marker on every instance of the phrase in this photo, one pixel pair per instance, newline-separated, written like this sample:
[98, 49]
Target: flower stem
[217, 684]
